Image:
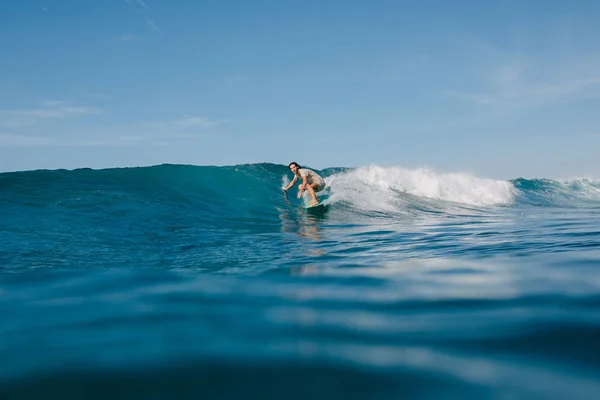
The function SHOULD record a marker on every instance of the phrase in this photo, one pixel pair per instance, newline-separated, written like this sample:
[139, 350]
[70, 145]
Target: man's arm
[291, 183]
[302, 186]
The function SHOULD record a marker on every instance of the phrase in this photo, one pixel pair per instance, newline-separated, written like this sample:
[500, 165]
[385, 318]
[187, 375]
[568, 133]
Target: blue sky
[499, 89]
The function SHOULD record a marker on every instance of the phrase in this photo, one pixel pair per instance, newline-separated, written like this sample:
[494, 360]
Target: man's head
[294, 167]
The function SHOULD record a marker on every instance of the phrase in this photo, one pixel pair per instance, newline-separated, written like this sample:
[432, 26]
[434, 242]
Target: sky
[499, 88]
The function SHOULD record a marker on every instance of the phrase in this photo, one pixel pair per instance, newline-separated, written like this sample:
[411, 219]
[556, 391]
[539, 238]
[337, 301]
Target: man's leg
[311, 190]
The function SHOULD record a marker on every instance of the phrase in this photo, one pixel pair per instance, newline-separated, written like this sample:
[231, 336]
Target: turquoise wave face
[160, 281]
[546, 192]
[235, 217]
[254, 187]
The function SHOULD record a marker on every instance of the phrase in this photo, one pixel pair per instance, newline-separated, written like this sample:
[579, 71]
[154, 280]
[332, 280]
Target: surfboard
[316, 206]
[320, 206]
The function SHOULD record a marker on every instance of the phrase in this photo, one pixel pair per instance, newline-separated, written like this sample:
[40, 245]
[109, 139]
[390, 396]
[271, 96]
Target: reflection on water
[296, 219]
[305, 270]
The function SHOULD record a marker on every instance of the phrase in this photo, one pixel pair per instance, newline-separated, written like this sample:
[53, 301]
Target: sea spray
[376, 186]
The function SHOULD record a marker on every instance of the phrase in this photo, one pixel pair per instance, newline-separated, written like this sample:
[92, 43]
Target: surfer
[311, 181]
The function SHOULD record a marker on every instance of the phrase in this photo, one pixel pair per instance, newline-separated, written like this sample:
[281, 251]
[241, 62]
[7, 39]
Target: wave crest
[381, 186]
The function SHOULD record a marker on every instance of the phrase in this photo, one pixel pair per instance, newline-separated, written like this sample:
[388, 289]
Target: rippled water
[208, 282]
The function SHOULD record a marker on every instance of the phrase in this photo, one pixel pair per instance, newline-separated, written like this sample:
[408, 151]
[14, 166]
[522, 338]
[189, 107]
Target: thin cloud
[12, 140]
[514, 81]
[196, 122]
[150, 23]
[140, 2]
[159, 133]
[183, 123]
[54, 103]
[50, 110]
[522, 93]
[127, 37]
[475, 98]
[97, 96]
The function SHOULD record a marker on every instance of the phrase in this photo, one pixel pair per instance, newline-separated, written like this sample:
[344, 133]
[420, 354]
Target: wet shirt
[311, 176]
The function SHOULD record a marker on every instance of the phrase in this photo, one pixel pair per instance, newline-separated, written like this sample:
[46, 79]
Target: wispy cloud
[520, 92]
[188, 123]
[54, 103]
[29, 128]
[196, 122]
[49, 110]
[507, 81]
[97, 96]
[150, 23]
[140, 2]
[12, 140]
[170, 131]
[127, 37]
[149, 134]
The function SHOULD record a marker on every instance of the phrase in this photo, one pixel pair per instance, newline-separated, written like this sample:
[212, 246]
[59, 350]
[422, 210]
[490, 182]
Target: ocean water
[177, 282]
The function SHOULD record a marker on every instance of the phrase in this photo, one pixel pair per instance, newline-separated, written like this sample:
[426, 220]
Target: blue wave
[186, 281]
[547, 192]
[237, 191]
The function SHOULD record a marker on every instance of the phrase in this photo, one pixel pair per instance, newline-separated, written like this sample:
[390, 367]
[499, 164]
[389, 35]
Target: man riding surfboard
[311, 181]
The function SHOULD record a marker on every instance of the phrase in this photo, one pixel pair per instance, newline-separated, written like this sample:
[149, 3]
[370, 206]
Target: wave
[254, 190]
[547, 192]
[387, 188]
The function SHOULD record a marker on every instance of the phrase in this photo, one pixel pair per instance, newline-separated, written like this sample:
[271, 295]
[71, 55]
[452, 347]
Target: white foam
[584, 187]
[284, 181]
[378, 187]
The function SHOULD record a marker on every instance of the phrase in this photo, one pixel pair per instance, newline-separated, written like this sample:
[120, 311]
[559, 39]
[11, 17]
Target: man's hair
[294, 163]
